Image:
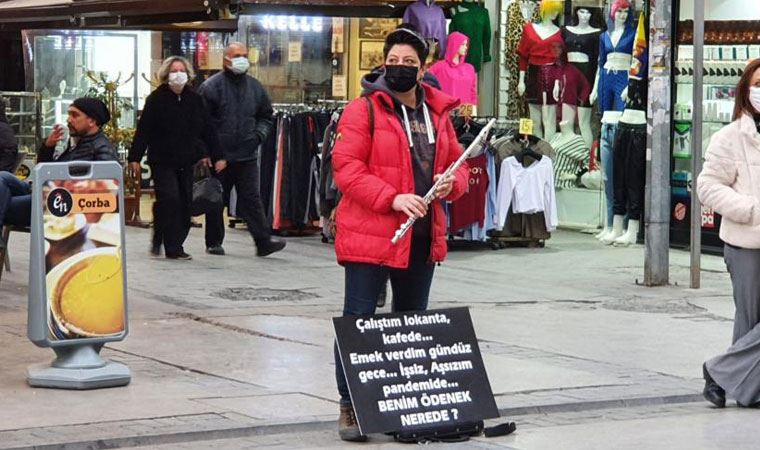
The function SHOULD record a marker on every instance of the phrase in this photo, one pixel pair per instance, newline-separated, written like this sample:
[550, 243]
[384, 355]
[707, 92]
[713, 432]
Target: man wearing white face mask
[242, 115]
[176, 129]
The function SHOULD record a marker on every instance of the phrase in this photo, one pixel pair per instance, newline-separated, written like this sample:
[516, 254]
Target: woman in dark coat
[176, 131]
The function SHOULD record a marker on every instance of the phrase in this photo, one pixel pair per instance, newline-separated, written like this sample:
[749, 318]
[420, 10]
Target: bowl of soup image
[86, 294]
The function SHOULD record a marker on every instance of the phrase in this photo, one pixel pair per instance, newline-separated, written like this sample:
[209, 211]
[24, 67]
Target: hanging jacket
[373, 166]
[457, 79]
[241, 112]
[475, 23]
[430, 21]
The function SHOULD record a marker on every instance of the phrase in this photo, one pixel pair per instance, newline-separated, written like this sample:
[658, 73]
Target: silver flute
[430, 196]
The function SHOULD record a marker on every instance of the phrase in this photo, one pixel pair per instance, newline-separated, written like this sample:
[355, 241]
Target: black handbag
[207, 196]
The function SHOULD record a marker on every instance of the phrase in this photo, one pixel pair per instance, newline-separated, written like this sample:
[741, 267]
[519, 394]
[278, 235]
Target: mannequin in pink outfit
[457, 77]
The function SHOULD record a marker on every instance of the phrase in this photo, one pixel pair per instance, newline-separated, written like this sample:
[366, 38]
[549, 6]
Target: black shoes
[215, 250]
[155, 250]
[268, 247]
[182, 256]
[712, 392]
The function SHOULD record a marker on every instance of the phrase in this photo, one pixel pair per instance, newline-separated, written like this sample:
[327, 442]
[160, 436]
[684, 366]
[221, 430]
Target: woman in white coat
[730, 184]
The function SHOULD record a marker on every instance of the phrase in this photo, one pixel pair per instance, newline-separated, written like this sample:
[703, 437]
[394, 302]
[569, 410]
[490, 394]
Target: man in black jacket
[87, 143]
[8, 142]
[242, 113]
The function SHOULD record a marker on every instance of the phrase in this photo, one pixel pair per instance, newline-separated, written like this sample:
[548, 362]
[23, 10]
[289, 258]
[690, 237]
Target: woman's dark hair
[742, 103]
[406, 34]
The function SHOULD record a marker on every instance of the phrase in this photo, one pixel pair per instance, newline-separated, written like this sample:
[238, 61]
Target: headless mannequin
[584, 113]
[616, 33]
[544, 116]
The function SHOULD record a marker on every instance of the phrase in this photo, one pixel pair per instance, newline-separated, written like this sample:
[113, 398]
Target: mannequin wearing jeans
[631, 145]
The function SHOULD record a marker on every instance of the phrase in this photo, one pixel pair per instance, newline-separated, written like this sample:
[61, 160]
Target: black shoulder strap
[371, 111]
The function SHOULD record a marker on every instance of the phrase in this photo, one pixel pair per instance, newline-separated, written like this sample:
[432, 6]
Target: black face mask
[401, 78]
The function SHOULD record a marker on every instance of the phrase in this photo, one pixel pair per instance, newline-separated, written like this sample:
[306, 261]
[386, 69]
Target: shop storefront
[732, 38]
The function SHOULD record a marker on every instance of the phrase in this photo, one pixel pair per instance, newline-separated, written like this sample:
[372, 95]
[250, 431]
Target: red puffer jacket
[372, 171]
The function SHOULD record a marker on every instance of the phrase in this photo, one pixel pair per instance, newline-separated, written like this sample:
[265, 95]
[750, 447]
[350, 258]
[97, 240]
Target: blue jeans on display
[15, 201]
[364, 282]
[606, 144]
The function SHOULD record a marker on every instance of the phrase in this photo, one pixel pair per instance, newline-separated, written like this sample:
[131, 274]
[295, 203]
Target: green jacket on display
[475, 23]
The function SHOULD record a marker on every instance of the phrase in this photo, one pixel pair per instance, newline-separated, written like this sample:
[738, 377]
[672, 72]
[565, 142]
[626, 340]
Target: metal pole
[657, 219]
[696, 144]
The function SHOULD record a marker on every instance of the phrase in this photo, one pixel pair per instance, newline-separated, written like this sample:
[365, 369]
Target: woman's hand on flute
[411, 205]
[444, 188]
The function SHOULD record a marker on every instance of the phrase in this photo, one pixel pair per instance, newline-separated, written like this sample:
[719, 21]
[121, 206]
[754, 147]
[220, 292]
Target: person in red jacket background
[383, 169]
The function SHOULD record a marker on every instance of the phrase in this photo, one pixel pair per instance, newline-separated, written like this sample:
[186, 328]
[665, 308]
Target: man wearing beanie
[87, 143]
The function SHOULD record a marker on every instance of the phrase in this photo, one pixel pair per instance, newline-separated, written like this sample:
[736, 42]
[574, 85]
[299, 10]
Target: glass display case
[24, 112]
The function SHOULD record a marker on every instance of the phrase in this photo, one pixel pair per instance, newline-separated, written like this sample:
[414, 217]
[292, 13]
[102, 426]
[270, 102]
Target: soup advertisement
[83, 259]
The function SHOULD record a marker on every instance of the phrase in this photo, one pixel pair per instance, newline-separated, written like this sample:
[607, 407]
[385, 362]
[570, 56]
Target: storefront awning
[145, 14]
[335, 8]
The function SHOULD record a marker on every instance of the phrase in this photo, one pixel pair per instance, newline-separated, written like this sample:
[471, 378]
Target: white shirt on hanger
[528, 190]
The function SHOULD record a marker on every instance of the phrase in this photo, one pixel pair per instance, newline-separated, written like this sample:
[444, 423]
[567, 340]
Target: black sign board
[412, 371]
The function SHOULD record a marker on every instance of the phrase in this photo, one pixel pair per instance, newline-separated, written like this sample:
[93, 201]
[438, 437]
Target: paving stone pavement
[241, 347]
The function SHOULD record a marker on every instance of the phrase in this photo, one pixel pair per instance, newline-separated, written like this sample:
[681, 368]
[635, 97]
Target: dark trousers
[171, 211]
[364, 282]
[629, 170]
[244, 177]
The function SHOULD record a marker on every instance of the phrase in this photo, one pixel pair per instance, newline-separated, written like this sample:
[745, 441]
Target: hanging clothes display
[471, 207]
[429, 20]
[475, 23]
[291, 162]
[528, 226]
[527, 190]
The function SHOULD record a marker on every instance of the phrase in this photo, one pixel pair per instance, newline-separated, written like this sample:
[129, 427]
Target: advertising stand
[77, 273]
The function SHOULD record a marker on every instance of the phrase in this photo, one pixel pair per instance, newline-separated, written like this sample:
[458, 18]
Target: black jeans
[171, 211]
[629, 169]
[364, 282]
[244, 176]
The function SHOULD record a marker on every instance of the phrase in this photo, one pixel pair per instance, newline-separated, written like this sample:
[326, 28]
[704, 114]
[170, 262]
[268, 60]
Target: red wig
[619, 4]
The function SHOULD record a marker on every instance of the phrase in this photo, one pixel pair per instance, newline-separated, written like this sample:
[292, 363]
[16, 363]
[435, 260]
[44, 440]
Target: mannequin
[457, 77]
[540, 49]
[631, 144]
[616, 48]
[430, 20]
[582, 43]
[572, 155]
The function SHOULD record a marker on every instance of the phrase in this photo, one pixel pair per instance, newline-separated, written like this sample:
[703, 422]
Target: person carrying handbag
[175, 129]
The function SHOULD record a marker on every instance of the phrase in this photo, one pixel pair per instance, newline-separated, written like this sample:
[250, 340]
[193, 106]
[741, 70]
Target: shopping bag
[207, 196]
